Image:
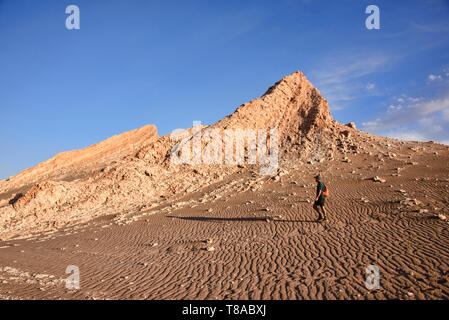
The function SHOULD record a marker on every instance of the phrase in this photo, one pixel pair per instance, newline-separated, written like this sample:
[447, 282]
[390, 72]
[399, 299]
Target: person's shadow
[218, 219]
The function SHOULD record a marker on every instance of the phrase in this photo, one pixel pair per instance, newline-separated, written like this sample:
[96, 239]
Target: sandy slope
[266, 243]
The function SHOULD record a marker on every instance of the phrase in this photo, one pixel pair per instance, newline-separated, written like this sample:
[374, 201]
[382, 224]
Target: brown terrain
[141, 227]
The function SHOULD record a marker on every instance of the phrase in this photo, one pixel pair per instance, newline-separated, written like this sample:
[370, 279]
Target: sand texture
[141, 227]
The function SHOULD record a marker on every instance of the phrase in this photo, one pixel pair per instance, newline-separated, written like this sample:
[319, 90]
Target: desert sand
[141, 227]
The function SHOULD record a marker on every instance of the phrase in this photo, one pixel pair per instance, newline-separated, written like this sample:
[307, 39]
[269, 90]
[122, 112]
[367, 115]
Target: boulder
[351, 125]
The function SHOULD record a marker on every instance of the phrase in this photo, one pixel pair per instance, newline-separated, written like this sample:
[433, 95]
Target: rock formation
[133, 170]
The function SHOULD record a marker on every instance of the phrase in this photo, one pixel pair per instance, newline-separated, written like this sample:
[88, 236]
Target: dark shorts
[320, 202]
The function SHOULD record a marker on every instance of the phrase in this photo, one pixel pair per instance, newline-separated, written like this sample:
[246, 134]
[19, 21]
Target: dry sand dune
[143, 228]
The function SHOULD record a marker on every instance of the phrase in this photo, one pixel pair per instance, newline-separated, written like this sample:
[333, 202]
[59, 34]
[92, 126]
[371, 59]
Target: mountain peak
[292, 105]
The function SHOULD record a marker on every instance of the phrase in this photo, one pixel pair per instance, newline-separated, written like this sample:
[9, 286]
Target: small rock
[378, 179]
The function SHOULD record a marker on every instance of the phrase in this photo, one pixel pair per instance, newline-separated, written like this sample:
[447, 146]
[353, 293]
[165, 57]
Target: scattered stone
[378, 179]
[410, 202]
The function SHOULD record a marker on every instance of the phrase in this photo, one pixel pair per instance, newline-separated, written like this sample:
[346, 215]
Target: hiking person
[320, 199]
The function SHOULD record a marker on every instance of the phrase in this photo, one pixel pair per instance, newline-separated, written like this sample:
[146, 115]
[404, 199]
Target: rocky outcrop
[351, 125]
[292, 105]
[77, 163]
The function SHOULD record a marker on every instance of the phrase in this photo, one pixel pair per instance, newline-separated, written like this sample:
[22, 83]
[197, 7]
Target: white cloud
[441, 27]
[433, 77]
[414, 119]
[344, 69]
[417, 111]
[404, 98]
[425, 121]
[336, 108]
[370, 86]
[394, 108]
[340, 78]
[372, 125]
[445, 113]
[408, 135]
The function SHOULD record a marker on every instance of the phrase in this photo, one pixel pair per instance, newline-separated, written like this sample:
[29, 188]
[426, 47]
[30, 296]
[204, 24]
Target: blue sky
[172, 62]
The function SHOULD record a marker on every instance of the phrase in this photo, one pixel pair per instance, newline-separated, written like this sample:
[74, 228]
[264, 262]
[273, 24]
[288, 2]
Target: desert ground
[139, 228]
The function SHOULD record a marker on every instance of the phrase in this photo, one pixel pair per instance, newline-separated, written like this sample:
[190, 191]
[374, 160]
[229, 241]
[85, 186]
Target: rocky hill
[132, 172]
